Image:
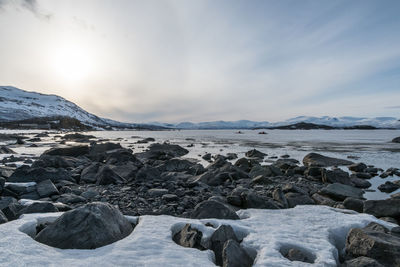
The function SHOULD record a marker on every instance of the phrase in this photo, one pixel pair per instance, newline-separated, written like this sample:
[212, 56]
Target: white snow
[316, 229]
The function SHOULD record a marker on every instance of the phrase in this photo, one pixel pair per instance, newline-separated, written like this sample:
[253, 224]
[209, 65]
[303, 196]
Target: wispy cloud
[31, 5]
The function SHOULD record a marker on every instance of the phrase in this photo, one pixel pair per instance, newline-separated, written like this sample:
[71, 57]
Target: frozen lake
[373, 147]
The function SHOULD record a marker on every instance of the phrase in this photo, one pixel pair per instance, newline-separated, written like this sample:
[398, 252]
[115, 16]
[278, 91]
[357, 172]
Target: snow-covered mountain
[337, 122]
[17, 104]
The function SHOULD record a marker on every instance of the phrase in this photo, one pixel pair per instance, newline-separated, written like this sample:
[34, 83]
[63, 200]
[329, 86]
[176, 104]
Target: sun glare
[72, 63]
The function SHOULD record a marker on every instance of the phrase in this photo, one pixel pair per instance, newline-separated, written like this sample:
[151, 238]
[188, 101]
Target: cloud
[30, 5]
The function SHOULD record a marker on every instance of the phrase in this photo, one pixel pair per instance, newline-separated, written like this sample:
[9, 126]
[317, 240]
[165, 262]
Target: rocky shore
[159, 181]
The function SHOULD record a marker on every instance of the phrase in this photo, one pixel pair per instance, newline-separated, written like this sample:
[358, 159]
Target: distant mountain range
[20, 105]
[301, 122]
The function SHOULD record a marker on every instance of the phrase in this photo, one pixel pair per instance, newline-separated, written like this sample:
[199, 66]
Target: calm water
[372, 147]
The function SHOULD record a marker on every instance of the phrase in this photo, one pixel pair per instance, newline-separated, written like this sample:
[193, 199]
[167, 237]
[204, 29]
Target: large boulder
[315, 159]
[341, 191]
[31, 174]
[71, 151]
[383, 208]
[106, 175]
[89, 173]
[213, 209]
[87, 227]
[233, 255]
[218, 239]
[46, 189]
[374, 241]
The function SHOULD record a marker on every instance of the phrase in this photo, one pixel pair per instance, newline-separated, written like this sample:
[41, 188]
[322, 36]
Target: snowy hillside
[17, 104]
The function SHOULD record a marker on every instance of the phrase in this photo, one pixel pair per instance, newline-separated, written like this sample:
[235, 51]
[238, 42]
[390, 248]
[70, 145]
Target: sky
[200, 60]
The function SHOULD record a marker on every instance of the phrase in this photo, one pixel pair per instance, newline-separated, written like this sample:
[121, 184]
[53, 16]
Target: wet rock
[341, 191]
[71, 151]
[363, 175]
[233, 255]
[189, 237]
[374, 242]
[383, 208]
[336, 176]
[213, 209]
[360, 183]
[357, 167]
[87, 227]
[46, 189]
[314, 159]
[388, 187]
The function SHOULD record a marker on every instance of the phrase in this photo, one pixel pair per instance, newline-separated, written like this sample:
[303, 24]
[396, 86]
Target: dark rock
[258, 170]
[396, 140]
[46, 189]
[341, 191]
[363, 175]
[213, 209]
[295, 199]
[361, 262]
[28, 174]
[3, 218]
[388, 187]
[262, 180]
[89, 174]
[39, 207]
[374, 242]
[360, 183]
[280, 197]
[233, 255]
[6, 150]
[254, 201]
[383, 208]
[71, 199]
[20, 189]
[218, 239]
[77, 137]
[297, 255]
[336, 176]
[357, 167]
[45, 161]
[314, 159]
[10, 207]
[323, 200]
[254, 153]
[314, 172]
[148, 173]
[170, 197]
[207, 157]
[31, 195]
[87, 227]
[157, 192]
[189, 237]
[106, 175]
[162, 152]
[354, 204]
[71, 151]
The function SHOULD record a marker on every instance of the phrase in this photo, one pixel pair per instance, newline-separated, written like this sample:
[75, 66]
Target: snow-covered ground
[317, 230]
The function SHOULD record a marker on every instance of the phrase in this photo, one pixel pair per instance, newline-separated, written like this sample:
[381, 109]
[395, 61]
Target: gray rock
[87, 227]
[89, 174]
[162, 152]
[341, 191]
[297, 255]
[357, 167]
[3, 218]
[10, 207]
[90, 194]
[157, 192]
[258, 170]
[218, 239]
[6, 150]
[170, 197]
[314, 159]
[323, 200]
[71, 199]
[374, 242]
[396, 140]
[383, 208]
[106, 175]
[71, 151]
[39, 207]
[354, 204]
[189, 237]
[20, 189]
[46, 189]
[360, 183]
[213, 209]
[254, 153]
[261, 180]
[30, 174]
[233, 255]
[388, 187]
[295, 199]
[254, 201]
[336, 176]
[363, 175]
[361, 262]
[280, 197]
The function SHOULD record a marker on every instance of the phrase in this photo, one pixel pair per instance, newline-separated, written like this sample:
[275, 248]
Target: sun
[72, 63]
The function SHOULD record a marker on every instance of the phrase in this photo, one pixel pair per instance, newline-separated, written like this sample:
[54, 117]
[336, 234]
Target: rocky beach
[97, 192]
